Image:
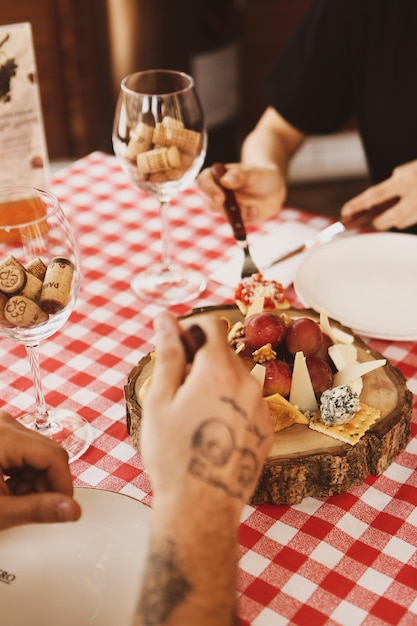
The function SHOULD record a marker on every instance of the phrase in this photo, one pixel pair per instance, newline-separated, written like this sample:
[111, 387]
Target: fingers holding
[38, 509]
[170, 359]
[233, 179]
[401, 215]
[25, 452]
[366, 199]
[215, 195]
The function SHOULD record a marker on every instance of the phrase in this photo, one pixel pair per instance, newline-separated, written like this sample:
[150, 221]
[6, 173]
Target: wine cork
[159, 177]
[157, 160]
[159, 135]
[32, 288]
[140, 140]
[3, 321]
[23, 312]
[173, 135]
[56, 290]
[38, 268]
[12, 276]
[172, 122]
[174, 173]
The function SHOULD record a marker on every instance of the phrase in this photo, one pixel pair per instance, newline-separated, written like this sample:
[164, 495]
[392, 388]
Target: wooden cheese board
[303, 462]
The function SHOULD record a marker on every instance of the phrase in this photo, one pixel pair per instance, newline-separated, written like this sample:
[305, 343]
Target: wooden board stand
[303, 462]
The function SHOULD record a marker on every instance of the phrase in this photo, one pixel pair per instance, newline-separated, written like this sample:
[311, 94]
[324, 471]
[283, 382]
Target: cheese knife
[362, 218]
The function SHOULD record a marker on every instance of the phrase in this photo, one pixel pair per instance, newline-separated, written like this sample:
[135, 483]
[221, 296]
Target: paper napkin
[265, 248]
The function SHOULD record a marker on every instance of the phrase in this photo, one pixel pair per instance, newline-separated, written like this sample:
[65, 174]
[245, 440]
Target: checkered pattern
[346, 560]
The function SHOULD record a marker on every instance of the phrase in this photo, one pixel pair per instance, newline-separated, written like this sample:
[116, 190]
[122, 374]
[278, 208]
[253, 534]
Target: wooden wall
[70, 55]
[76, 48]
[265, 29]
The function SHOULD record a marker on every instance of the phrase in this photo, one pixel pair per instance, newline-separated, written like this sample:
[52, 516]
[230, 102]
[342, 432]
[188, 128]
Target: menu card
[23, 152]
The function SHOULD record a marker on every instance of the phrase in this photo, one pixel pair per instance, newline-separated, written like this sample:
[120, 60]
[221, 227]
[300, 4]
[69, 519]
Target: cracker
[351, 431]
[283, 414]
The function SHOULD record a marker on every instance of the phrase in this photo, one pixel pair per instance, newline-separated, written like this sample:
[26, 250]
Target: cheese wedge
[259, 372]
[257, 306]
[283, 413]
[302, 393]
[336, 334]
[352, 372]
[343, 356]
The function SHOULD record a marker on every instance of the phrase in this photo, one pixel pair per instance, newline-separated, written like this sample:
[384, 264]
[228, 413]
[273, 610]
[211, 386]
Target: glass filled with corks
[160, 140]
[39, 284]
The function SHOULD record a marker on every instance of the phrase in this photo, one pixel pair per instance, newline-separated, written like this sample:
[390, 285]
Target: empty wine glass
[39, 284]
[160, 139]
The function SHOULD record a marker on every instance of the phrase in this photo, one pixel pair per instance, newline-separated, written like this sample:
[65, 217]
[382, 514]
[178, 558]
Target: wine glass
[39, 284]
[160, 140]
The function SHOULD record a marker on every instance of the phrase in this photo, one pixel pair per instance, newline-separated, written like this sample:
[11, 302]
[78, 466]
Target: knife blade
[362, 218]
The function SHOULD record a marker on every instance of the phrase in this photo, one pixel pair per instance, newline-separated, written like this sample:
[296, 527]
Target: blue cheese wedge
[338, 405]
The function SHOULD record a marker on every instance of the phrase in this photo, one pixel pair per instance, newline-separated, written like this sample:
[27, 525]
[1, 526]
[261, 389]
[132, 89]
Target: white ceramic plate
[367, 282]
[80, 573]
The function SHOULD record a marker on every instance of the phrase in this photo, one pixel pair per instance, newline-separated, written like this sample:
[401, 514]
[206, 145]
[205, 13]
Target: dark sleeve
[310, 85]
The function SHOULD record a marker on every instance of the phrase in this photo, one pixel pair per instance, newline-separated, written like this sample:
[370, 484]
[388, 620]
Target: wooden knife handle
[230, 205]
[367, 215]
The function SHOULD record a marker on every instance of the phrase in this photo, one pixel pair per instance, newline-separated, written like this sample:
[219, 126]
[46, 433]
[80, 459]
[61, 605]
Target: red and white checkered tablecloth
[345, 560]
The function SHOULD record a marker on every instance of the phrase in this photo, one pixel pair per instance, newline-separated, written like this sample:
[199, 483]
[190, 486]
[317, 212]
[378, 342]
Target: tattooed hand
[205, 434]
[205, 423]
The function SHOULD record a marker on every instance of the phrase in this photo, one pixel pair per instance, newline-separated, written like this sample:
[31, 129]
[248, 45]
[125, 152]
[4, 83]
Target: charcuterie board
[303, 462]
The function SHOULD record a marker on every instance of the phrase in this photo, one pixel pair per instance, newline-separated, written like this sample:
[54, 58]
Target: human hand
[35, 481]
[260, 191]
[402, 184]
[206, 429]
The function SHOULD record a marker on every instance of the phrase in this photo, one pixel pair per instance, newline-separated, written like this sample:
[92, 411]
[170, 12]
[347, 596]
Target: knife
[326, 234]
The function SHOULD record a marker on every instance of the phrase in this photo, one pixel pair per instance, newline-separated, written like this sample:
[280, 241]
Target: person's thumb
[37, 508]
[233, 179]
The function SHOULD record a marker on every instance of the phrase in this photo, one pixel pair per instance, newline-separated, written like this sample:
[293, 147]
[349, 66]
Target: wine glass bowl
[160, 140]
[39, 285]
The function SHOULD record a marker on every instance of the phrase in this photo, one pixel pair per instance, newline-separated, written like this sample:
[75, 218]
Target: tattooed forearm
[165, 586]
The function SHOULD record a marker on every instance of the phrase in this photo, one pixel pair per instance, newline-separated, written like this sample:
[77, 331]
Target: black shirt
[354, 57]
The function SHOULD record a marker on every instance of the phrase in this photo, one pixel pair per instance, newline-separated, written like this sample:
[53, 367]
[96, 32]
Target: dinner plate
[86, 572]
[366, 282]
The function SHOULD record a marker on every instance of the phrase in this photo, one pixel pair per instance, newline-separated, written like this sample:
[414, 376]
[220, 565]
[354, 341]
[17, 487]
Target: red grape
[277, 378]
[320, 372]
[323, 351]
[303, 335]
[262, 328]
[247, 361]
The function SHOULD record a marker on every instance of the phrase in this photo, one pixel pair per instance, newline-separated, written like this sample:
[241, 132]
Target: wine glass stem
[163, 213]
[42, 420]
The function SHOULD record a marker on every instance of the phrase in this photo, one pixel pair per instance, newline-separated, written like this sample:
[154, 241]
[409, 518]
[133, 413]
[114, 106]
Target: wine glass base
[68, 429]
[168, 286]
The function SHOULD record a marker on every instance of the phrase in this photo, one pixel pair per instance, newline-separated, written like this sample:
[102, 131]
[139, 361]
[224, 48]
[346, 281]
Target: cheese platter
[304, 461]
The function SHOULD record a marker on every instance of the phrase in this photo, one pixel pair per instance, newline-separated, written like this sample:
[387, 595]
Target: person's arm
[35, 481]
[402, 184]
[272, 143]
[205, 435]
[260, 179]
